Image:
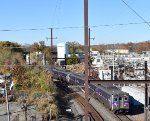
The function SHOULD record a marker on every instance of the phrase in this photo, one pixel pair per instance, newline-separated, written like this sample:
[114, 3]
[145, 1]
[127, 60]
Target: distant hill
[132, 47]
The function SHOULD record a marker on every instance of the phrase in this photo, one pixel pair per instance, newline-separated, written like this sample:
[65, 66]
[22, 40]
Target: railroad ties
[93, 114]
[123, 118]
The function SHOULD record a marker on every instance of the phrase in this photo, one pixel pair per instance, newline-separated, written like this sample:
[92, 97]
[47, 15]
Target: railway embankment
[105, 113]
[77, 110]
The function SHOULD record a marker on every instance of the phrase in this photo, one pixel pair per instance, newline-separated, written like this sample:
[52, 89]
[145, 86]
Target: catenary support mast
[86, 57]
[146, 94]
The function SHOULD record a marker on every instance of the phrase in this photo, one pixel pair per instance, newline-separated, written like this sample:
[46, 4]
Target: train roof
[107, 88]
[61, 70]
[110, 89]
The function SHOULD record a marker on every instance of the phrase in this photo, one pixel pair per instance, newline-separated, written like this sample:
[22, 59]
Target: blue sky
[28, 14]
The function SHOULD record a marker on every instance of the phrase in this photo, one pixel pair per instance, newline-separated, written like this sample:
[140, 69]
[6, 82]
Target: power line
[34, 29]
[136, 13]
[76, 27]
[55, 10]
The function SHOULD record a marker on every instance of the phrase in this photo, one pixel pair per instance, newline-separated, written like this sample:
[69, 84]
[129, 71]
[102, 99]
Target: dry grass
[42, 105]
[42, 101]
[41, 93]
[2, 100]
[77, 68]
[54, 110]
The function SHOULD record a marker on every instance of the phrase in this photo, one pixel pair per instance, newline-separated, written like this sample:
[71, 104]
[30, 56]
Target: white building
[120, 51]
[97, 59]
[62, 49]
[105, 74]
[97, 62]
[27, 59]
[35, 57]
[94, 53]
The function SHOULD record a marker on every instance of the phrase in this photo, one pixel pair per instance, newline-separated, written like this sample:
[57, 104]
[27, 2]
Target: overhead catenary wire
[136, 13]
[58, 4]
[57, 7]
[82, 27]
[76, 27]
[146, 87]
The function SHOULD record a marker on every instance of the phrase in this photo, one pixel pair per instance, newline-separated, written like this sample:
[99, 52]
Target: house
[97, 61]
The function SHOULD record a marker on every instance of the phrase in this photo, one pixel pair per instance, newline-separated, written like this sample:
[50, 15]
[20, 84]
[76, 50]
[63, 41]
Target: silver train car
[112, 97]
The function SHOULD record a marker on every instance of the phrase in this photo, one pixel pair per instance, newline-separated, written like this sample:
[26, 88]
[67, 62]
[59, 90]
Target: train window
[120, 98]
[125, 99]
[98, 60]
[115, 99]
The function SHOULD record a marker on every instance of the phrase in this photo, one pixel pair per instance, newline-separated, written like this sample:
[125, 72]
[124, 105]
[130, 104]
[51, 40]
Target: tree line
[132, 47]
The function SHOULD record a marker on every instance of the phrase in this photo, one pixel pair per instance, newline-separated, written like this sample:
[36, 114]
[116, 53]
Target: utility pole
[49, 119]
[146, 94]
[25, 111]
[51, 44]
[25, 108]
[51, 38]
[90, 45]
[90, 40]
[89, 52]
[89, 49]
[113, 65]
[86, 58]
[8, 113]
[114, 62]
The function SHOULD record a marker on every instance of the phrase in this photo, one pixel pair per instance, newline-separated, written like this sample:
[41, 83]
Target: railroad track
[118, 117]
[93, 114]
[123, 118]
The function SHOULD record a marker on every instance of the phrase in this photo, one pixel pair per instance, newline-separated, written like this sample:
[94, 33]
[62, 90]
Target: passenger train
[112, 97]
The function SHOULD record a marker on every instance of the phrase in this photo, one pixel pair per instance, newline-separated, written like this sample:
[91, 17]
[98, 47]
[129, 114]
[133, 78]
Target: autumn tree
[10, 54]
[18, 74]
[35, 47]
[14, 47]
[73, 59]
[74, 47]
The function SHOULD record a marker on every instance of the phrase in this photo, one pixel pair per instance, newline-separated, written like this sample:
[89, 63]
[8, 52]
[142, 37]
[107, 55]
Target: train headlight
[125, 104]
[115, 103]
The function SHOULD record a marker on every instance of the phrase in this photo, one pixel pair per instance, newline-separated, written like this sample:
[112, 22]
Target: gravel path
[15, 110]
